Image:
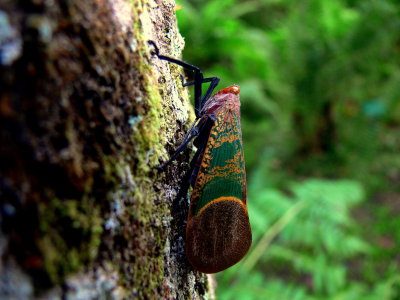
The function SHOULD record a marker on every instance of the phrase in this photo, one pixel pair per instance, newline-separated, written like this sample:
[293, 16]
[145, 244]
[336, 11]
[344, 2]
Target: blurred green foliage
[321, 127]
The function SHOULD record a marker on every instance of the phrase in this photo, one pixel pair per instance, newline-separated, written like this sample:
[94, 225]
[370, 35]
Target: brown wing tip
[233, 89]
[218, 237]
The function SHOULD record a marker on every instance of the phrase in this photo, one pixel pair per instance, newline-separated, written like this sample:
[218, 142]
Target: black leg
[213, 84]
[202, 128]
[198, 81]
[192, 133]
[209, 79]
[201, 142]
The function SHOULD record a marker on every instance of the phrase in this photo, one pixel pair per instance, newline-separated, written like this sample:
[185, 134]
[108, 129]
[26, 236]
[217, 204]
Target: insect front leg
[192, 82]
[199, 104]
[198, 81]
[214, 82]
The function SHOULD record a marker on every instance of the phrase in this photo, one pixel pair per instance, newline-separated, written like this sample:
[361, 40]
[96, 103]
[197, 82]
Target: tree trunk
[86, 113]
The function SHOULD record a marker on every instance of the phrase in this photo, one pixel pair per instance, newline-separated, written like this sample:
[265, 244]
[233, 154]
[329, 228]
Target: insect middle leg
[214, 82]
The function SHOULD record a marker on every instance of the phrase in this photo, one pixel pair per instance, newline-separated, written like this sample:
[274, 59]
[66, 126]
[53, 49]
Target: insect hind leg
[201, 129]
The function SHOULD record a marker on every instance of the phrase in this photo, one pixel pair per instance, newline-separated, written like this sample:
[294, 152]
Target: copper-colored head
[233, 89]
[229, 94]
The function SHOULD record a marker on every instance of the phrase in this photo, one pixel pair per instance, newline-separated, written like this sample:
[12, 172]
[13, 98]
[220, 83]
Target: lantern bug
[218, 232]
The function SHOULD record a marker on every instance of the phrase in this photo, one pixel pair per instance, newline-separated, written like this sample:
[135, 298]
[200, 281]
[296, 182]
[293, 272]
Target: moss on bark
[86, 112]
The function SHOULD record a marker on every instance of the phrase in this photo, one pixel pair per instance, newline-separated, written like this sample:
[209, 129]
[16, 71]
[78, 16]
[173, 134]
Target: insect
[218, 232]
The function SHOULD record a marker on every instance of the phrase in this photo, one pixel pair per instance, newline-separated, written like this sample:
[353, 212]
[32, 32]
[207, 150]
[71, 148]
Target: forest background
[321, 128]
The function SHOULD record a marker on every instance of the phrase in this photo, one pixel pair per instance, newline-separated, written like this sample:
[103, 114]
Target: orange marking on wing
[220, 134]
[226, 123]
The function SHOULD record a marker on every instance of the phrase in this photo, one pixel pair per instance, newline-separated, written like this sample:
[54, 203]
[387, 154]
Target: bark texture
[86, 112]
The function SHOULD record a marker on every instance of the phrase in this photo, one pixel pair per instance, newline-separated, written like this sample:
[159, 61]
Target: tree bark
[86, 113]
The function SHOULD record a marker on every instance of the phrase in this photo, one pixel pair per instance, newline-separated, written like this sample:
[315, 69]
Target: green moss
[71, 235]
[79, 221]
[150, 136]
